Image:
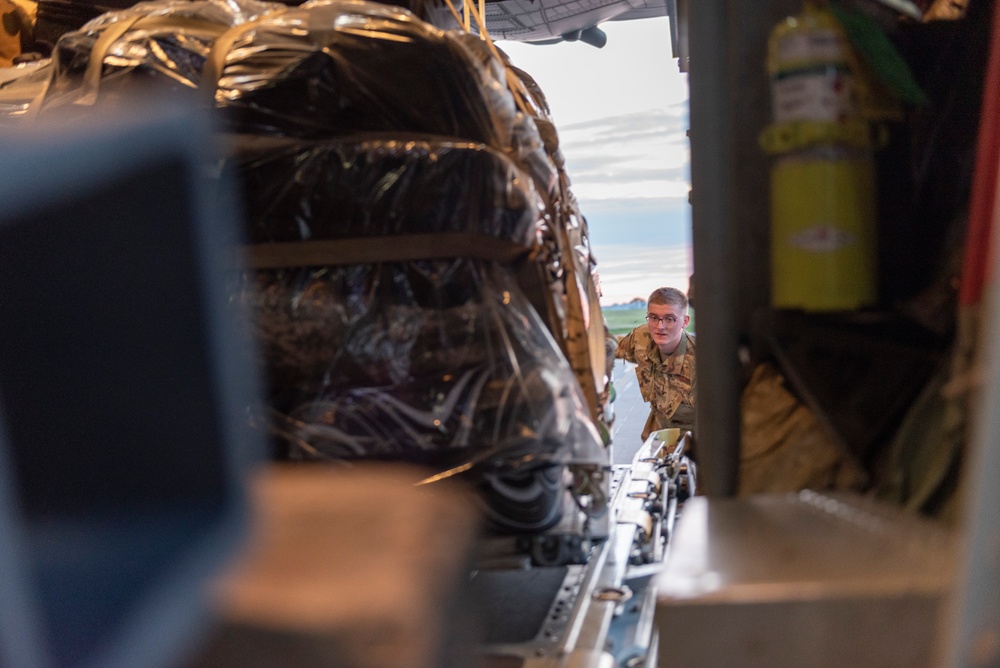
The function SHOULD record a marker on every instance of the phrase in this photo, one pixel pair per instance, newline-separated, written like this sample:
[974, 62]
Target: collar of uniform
[674, 363]
[653, 351]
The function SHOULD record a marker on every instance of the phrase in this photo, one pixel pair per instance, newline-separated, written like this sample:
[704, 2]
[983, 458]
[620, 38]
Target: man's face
[666, 325]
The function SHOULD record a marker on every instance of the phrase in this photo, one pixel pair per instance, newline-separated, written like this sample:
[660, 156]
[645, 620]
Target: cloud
[630, 271]
[622, 117]
[643, 222]
[597, 170]
[671, 120]
[620, 131]
[634, 71]
[608, 189]
[636, 207]
[644, 154]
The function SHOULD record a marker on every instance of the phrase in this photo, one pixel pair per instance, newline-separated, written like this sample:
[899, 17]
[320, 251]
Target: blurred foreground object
[823, 228]
[803, 579]
[420, 273]
[125, 377]
[783, 446]
[350, 567]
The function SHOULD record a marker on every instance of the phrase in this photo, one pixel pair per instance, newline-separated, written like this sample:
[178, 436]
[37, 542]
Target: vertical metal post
[715, 259]
[971, 628]
[730, 106]
[715, 262]
[970, 635]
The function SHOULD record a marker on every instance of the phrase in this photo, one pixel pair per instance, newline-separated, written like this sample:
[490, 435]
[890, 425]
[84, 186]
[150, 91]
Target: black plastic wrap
[54, 18]
[166, 45]
[341, 66]
[377, 185]
[440, 362]
[325, 69]
[395, 149]
[20, 88]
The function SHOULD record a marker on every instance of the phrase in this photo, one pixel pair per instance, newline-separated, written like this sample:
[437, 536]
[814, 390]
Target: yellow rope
[454, 12]
[513, 82]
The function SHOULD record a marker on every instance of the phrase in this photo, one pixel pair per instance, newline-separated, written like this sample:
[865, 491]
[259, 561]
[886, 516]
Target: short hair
[669, 297]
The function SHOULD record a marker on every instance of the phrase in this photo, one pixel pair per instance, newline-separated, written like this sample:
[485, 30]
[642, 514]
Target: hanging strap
[95, 65]
[216, 60]
[454, 12]
[115, 31]
[514, 83]
[371, 250]
[31, 113]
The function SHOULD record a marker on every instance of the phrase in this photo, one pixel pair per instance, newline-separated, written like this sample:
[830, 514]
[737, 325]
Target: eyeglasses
[654, 320]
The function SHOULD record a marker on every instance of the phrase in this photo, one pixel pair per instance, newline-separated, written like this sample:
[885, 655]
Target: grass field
[625, 320]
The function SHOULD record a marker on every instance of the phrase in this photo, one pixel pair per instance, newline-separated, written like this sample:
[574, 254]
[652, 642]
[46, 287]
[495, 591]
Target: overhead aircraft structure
[553, 21]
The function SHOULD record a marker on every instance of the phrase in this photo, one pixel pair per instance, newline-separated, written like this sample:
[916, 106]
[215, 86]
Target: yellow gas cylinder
[823, 226]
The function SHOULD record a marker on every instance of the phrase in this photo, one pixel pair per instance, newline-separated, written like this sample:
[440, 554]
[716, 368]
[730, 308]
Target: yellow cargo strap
[514, 83]
[215, 63]
[114, 32]
[92, 77]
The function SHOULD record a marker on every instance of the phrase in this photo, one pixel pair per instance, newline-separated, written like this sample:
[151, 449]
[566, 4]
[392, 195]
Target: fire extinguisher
[823, 224]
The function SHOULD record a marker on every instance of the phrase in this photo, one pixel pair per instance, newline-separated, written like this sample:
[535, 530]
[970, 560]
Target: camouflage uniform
[667, 385]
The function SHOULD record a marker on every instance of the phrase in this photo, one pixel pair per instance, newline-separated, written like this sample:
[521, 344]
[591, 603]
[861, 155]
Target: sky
[622, 116]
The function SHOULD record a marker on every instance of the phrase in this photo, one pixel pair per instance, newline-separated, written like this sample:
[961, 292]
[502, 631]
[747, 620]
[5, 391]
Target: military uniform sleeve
[626, 347]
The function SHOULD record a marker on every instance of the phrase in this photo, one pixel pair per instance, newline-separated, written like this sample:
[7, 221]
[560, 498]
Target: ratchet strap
[395, 248]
